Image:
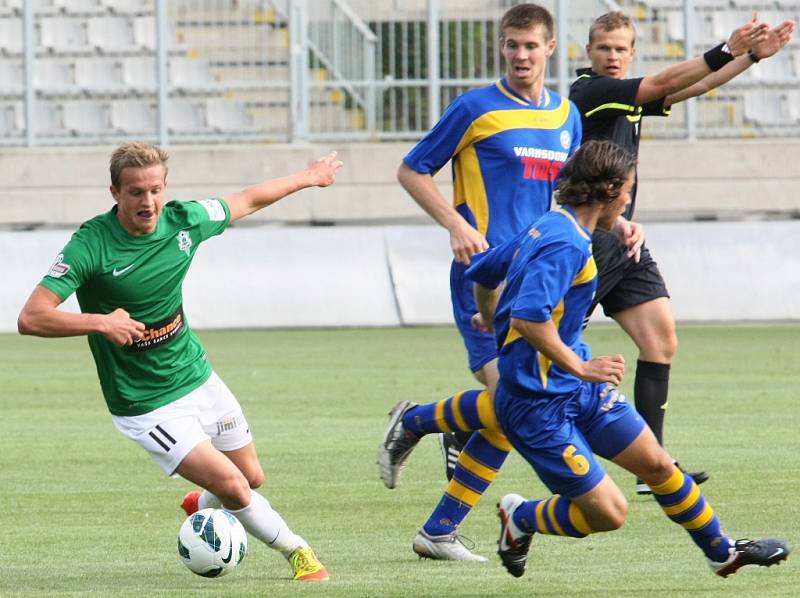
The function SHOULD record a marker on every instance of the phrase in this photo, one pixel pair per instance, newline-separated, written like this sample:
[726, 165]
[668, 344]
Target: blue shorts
[481, 346]
[560, 436]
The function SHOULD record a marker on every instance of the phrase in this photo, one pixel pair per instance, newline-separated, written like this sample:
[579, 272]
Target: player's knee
[256, 479]
[233, 490]
[614, 515]
[656, 468]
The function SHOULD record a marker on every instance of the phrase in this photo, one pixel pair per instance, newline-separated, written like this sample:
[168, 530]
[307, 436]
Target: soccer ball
[211, 542]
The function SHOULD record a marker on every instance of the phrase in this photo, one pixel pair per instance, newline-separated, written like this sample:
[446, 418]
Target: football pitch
[86, 512]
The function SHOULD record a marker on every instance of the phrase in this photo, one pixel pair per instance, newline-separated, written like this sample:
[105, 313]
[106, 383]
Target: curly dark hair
[594, 174]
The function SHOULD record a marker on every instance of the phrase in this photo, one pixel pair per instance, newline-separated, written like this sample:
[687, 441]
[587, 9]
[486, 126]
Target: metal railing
[175, 71]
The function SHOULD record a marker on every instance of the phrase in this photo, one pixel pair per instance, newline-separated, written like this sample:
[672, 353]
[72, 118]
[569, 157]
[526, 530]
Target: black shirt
[608, 111]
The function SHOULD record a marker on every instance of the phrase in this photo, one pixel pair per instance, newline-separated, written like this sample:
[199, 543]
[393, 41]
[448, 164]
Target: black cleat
[764, 553]
[513, 551]
[451, 448]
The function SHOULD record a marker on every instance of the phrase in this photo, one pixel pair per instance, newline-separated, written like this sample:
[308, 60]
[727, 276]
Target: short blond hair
[612, 21]
[136, 154]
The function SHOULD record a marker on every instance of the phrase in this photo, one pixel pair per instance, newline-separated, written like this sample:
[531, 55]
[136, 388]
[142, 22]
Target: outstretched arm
[544, 336]
[320, 173]
[776, 39]
[40, 316]
[465, 241]
[678, 77]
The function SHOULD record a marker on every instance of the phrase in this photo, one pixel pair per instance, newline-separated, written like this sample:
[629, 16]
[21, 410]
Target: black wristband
[753, 57]
[718, 56]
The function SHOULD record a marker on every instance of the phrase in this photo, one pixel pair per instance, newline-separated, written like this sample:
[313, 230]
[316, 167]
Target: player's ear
[551, 47]
[114, 193]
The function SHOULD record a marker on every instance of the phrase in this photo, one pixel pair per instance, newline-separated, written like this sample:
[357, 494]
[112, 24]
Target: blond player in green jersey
[126, 267]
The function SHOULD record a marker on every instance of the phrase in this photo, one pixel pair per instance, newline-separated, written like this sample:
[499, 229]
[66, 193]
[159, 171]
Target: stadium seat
[140, 74]
[129, 6]
[10, 36]
[54, 75]
[97, 75]
[110, 34]
[83, 117]
[144, 33]
[78, 6]
[190, 74]
[62, 34]
[228, 116]
[187, 116]
[768, 107]
[48, 119]
[130, 117]
[12, 75]
[12, 119]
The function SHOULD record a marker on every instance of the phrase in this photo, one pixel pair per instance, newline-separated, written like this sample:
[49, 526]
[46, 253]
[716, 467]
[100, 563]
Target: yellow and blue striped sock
[682, 501]
[476, 469]
[554, 516]
[465, 411]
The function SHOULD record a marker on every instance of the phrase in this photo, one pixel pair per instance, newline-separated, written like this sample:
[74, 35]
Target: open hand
[775, 40]
[747, 36]
[323, 170]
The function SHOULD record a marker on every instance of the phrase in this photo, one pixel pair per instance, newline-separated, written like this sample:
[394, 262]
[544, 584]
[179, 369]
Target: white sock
[266, 524]
[206, 500]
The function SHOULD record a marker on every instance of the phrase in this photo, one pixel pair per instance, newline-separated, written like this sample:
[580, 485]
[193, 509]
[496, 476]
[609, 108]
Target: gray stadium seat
[10, 36]
[62, 34]
[129, 6]
[82, 117]
[190, 74]
[12, 119]
[228, 116]
[12, 75]
[131, 117]
[187, 116]
[78, 6]
[144, 33]
[110, 34]
[54, 75]
[140, 73]
[768, 107]
[98, 75]
[47, 118]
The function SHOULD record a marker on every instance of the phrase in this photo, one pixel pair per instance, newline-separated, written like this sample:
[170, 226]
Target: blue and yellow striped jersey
[552, 277]
[506, 154]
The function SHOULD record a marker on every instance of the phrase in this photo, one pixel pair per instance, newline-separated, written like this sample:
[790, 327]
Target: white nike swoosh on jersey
[122, 271]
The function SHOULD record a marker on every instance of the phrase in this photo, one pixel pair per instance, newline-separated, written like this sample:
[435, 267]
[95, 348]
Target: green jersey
[107, 268]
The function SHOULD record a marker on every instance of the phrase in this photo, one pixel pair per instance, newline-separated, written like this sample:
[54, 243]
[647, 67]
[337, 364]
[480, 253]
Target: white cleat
[449, 547]
[396, 446]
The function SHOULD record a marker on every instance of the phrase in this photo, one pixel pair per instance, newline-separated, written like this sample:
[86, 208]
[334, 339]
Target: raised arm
[320, 173]
[544, 336]
[776, 39]
[40, 316]
[678, 77]
[465, 241]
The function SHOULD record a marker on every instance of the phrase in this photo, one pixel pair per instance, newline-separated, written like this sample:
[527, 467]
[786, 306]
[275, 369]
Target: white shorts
[169, 433]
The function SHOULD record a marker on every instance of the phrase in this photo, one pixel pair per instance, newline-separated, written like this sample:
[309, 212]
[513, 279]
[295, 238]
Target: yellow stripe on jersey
[544, 362]
[571, 218]
[497, 121]
[438, 413]
[612, 106]
[684, 505]
[469, 188]
[476, 468]
[509, 95]
[513, 335]
[461, 424]
[587, 274]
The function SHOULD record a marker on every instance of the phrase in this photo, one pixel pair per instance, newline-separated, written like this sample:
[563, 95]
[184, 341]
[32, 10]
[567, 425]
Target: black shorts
[622, 282]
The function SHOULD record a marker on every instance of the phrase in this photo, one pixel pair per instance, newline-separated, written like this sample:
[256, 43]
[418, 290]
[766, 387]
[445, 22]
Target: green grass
[85, 511]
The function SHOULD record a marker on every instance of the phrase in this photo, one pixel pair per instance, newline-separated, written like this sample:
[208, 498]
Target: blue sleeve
[490, 268]
[440, 144]
[547, 278]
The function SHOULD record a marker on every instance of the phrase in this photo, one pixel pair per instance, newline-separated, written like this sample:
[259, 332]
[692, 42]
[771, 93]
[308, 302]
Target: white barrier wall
[394, 275]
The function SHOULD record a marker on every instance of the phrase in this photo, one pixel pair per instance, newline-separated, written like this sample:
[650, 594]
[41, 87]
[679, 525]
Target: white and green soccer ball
[211, 542]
